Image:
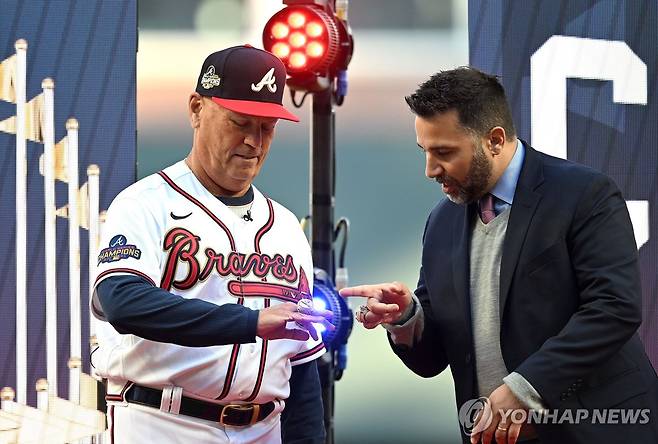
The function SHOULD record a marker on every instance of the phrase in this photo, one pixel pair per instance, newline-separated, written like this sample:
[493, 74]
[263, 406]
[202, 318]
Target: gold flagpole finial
[72, 124]
[7, 394]
[48, 83]
[75, 363]
[42, 385]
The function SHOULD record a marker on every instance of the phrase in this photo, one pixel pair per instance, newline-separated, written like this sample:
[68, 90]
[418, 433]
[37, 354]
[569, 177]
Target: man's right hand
[272, 322]
[386, 302]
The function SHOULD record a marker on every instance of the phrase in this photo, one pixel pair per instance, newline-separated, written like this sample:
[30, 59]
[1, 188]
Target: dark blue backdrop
[619, 139]
[88, 47]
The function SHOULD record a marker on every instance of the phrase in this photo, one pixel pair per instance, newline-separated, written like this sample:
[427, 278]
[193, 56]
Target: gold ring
[501, 428]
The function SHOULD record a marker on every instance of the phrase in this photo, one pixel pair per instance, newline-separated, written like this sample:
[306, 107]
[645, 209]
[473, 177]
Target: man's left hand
[502, 429]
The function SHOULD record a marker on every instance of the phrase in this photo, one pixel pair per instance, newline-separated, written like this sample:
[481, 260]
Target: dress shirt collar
[506, 185]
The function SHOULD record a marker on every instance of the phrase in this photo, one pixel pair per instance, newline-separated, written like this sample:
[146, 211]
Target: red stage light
[297, 40]
[296, 19]
[297, 60]
[281, 50]
[314, 29]
[306, 38]
[314, 49]
[280, 30]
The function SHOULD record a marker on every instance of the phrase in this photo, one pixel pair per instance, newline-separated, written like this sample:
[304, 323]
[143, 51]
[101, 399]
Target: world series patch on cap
[246, 80]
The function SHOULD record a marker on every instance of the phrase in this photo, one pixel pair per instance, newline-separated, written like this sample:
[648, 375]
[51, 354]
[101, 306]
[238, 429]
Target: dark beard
[477, 178]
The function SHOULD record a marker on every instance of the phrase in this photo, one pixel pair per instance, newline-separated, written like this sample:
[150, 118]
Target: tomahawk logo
[270, 290]
[268, 80]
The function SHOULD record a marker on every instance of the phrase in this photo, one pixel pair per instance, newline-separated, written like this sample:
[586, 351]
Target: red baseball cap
[246, 80]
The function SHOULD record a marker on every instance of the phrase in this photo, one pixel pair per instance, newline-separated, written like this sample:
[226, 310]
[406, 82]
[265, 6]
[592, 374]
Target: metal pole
[322, 180]
[48, 126]
[322, 223]
[327, 381]
[74, 263]
[93, 179]
[21, 223]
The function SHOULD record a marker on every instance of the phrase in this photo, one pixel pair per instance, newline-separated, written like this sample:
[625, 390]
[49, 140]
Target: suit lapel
[461, 262]
[523, 209]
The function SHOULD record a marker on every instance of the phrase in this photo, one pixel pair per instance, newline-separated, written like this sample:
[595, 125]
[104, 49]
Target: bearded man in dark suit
[529, 287]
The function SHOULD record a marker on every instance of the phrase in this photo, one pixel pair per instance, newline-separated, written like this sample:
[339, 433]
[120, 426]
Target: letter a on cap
[268, 80]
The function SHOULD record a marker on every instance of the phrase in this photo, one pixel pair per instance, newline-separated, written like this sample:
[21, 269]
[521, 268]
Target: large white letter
[563, 57]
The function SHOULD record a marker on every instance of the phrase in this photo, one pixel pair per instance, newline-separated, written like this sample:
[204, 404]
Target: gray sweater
[486, 252]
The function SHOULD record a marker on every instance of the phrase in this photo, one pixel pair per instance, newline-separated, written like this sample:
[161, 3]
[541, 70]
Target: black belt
[235, 415]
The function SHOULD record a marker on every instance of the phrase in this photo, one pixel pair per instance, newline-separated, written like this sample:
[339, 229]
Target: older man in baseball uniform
[203, 337]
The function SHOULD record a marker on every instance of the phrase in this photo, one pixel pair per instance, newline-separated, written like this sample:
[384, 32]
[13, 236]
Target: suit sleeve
[426, 357]
[604, 259]
[410, 327]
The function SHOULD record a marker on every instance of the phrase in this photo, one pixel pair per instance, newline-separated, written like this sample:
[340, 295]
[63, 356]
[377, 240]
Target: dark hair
[478, 98]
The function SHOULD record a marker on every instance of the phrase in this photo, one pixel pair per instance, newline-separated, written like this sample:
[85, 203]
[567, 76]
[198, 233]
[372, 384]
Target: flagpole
[48, 123]
[74, 260]
[21, 223]
[93, 173]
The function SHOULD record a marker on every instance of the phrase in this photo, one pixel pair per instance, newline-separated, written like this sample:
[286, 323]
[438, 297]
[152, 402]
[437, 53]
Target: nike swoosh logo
[173, 216]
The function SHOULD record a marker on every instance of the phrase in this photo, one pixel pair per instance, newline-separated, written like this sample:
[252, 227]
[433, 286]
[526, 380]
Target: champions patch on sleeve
[118, 249]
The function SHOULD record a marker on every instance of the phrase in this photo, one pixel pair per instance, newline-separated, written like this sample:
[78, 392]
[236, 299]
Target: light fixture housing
[313, 43]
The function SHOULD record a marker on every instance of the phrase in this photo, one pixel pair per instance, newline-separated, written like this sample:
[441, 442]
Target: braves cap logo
[268, 80]
[210, 79]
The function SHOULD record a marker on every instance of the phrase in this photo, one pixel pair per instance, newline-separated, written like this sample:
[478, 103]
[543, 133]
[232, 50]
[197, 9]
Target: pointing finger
[364, 291]
[398, 287]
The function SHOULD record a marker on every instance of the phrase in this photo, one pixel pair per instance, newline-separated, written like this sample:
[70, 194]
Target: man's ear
[497, 139]
[194, 106]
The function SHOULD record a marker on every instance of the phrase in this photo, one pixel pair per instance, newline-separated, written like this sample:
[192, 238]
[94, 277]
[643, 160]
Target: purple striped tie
[487, 213]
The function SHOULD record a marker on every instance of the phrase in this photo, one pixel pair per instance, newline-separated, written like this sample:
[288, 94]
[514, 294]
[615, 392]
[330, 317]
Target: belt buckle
[255, 410]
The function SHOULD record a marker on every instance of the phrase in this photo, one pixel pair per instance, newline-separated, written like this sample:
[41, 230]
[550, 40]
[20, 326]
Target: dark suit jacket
[570, 300]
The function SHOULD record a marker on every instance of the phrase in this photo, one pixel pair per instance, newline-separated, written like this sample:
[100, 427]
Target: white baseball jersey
[137, 424]
[171, 231]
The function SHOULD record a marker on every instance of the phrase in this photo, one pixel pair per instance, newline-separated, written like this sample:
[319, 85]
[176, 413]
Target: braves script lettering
[183, 246]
